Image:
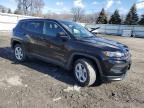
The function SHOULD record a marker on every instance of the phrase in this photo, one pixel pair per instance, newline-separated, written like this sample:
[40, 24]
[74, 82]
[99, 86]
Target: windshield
[76, 30]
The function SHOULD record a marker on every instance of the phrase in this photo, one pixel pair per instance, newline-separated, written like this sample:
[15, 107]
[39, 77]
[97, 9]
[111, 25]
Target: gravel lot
[35, 84]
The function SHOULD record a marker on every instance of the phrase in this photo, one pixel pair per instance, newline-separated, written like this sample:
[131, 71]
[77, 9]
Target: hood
[105, 43]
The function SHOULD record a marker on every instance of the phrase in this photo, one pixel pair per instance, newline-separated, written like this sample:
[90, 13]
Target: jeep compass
[71, 46]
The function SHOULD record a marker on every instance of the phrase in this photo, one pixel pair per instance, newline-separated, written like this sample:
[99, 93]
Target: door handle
[25, 34]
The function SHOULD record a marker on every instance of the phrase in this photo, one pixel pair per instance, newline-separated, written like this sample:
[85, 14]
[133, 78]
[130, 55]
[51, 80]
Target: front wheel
[84, 72]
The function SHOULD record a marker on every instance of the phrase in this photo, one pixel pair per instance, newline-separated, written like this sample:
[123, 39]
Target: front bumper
[115, 70]
[113, 78]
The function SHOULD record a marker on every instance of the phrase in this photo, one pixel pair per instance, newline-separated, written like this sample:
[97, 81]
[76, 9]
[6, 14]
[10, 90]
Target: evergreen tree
[9, 11]
[132, 17]
[19, 9]
[102, 19]
[141, 22]
[3, 10]
[115, 18]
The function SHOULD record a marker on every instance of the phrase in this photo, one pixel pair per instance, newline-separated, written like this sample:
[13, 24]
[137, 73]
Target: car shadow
[40, 66]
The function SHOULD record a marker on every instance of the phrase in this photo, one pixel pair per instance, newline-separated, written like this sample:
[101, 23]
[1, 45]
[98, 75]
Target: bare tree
[36, 7]
[91, 18]
[27, 4]
[19, 9]
[24, 5]
[53, 15]
[78, 13]
[30, 7]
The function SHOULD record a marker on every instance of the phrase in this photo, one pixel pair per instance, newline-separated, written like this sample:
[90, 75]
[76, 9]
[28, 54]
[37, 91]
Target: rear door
[34, 35]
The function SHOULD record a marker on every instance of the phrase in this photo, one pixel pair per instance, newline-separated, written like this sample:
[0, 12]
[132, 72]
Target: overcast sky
[60, 6]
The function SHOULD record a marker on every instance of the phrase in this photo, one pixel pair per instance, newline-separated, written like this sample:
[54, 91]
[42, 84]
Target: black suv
[71, 46]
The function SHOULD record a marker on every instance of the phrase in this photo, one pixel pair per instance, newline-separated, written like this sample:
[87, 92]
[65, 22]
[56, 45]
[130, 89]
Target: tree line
[26, 7]
[29, 7]
[34, 8]
[131, 18]
[3, 9]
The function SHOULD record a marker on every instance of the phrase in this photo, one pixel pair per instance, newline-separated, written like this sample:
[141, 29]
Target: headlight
[113, 54]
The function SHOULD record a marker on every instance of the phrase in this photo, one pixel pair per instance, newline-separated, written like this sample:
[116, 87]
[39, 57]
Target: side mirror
[62, 35]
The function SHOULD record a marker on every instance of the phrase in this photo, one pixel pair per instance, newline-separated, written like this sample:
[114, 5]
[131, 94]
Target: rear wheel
[84, 72]
[19, 53]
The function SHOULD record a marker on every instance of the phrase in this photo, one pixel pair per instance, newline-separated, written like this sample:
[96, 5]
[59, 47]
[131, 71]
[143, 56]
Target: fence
[8, 21]
[136, 30]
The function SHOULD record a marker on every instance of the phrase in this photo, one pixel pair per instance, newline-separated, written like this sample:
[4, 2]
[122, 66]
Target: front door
[55, 48]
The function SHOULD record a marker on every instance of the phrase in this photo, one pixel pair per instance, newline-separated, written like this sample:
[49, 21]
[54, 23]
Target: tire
[86, 75]
[19, 53]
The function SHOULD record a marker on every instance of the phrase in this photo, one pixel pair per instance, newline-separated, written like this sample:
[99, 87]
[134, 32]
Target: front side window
[51, 29]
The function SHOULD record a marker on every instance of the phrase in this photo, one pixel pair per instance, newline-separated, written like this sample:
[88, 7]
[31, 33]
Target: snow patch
[73, 88]
[15, 81]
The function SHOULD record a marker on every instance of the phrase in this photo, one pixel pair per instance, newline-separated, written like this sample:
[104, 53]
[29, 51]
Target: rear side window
[51, 29]
[34, 26]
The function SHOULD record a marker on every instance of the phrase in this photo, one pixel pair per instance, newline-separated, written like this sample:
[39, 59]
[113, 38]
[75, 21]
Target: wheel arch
[76, 56]
[15, 42]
